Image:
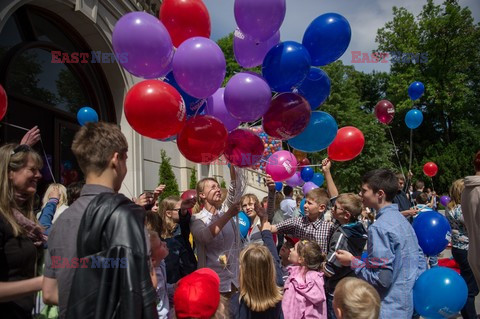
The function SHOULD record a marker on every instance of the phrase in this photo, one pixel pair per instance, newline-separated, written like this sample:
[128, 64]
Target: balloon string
[254, 123]
[41, 144]
[411, 157]
[396, 150]
[433, 187]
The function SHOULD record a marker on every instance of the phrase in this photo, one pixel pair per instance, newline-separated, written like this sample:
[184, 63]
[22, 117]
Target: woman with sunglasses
[21, 237]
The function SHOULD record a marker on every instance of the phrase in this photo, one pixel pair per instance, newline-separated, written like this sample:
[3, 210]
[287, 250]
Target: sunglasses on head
[21, 148]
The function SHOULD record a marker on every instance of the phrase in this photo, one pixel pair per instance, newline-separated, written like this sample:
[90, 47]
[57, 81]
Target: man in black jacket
[101, 152]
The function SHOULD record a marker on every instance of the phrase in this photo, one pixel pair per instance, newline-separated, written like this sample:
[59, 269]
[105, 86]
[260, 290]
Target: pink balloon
[244, 148]
[249, 52]
[295, 180]
[281, 165]
[384, 111]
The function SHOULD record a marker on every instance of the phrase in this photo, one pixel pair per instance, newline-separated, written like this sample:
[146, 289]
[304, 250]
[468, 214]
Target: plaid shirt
[301, 227]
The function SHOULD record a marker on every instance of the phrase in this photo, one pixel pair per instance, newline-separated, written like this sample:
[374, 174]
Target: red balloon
[384, 111]
[430, 169]
[155, 109]
[189, 194]
[347, 145]
[202, 139]
[304, 162]
[244, 148]
[185, 19]
[287, 116]
[3, 102]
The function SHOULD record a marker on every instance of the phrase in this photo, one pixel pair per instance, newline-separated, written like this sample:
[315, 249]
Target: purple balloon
[444, 200]
[247, 96]
[250, 53]
[199, 67]
[216, 107]
[295, 180]
[260, 19]
[308, 186]
[143, 45]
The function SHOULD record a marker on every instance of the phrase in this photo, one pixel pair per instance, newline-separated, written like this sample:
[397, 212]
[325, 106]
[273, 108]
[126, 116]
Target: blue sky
[364, 16]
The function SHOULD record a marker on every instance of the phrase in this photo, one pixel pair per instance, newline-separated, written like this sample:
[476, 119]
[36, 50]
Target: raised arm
[271, 198]
[205, 233]
[237, 186]
[331, 187]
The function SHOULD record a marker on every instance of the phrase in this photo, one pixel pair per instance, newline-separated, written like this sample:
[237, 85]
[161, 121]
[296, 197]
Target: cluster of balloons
[86, 114]
[270, 144]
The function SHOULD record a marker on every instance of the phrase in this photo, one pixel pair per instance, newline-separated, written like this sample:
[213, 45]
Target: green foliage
[167, 177]
[448, 134]
[193, 179]
[223, 184]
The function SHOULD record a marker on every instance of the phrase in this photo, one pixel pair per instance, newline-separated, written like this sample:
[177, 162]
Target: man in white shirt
[288, 205]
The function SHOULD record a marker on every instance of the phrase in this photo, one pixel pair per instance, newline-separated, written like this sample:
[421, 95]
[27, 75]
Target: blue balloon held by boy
[307, 174]
[415, 90]
[86, 114]
[243, 223]
[413, 119]
[433, 232]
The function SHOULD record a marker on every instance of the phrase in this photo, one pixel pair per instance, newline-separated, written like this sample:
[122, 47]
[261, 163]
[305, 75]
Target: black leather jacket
[118, 287]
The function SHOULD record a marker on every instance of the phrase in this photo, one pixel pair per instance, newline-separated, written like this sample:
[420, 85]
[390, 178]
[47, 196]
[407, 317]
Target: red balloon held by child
[347, 145]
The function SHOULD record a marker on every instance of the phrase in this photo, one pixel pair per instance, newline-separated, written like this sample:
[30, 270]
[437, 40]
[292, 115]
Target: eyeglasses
[21, 148]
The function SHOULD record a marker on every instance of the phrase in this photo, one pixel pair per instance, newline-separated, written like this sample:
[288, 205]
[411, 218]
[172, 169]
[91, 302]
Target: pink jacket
[304, 298]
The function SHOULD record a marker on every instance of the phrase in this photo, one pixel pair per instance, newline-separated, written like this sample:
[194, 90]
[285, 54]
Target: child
[176, 231]
[422, 202]
[259, 295]
[356, 299]
[285, 253]
[311, 226]
[249, 202]
[304, 295]
[350, 235]
[395, 260]
[159, 251]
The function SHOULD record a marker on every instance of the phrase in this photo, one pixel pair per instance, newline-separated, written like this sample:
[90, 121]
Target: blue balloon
[327, 38]
[192, 104]
[413, 119]
[439, 293]
[278, 186]
[286, 65]
[302, 209]
[86, 114]
[168, 139]
[320, 132]
[433, 232]
[364, 257]
[307, 174]
[318, 179]
[243, 223]
[415, 90]
[315, 88]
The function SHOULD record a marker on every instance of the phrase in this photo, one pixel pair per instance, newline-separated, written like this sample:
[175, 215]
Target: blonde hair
[319, 196]
[311, 253]
[357, 299]
[250, 197]
[352, 203]
[456, 190]
[10, 162]
[258, 287]
[63, 194]
[200, 186]
[94, 145]
[168, 225]
[278, 199]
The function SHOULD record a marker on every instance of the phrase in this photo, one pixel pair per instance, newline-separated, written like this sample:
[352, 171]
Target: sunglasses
[21, 148]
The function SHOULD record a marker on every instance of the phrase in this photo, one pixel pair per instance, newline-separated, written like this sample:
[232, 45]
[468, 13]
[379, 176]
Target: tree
[193, 179]
[448, 135]
[167, 177]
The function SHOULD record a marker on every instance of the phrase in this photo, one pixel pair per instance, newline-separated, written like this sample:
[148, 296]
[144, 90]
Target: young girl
[54, 203]
[175, 231]
[159, 252]
[259, 293]
[356, 299]
[304, 295]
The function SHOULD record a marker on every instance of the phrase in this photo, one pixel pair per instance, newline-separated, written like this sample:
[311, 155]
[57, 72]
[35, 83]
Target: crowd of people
[94, 253]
